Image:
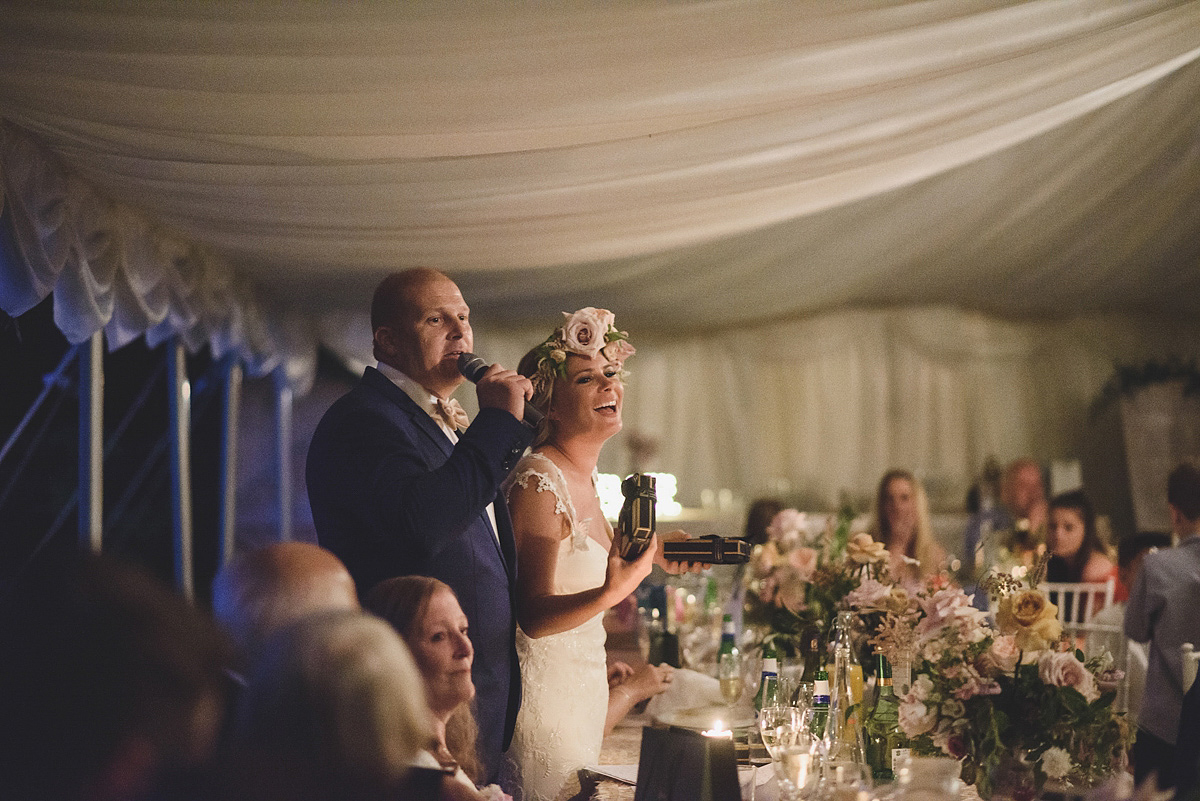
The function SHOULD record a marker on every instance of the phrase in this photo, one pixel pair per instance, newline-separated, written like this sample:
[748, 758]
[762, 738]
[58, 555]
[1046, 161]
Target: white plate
[703, 717]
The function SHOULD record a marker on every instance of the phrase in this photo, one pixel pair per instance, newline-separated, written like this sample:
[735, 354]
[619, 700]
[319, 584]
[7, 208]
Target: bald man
[263, 590]
[401, 483]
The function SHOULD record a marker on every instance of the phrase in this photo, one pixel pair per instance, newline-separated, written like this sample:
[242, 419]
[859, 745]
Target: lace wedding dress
[564, 680]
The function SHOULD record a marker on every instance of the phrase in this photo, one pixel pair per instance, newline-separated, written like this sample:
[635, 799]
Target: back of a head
[265, 589]
[104, 670]
[338, 694]
[1183, 490]
[1131, 545]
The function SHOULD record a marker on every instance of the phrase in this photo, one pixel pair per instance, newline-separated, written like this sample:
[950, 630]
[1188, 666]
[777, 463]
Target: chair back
[1191, 660]
[1078, 601]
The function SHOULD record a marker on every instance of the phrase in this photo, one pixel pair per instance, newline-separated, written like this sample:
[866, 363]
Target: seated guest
[263, 590]
[333, 708]
[1023, 491]
[111, 687]
[1076, 551]
[1130, 551]
[426, 613]
[902, 524]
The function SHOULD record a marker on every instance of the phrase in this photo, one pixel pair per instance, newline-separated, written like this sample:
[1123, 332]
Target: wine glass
[774, 722]
[796, 756]
[729, 674]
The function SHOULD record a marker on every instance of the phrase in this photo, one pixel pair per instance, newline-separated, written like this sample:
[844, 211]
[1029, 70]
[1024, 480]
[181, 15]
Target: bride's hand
[623, 576]
[675, 568]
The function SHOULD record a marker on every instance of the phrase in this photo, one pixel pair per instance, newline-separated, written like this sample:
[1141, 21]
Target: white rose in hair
[583, 331]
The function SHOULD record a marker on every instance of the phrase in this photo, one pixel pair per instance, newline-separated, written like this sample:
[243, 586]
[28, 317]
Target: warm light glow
[608, 487]
[718, 730]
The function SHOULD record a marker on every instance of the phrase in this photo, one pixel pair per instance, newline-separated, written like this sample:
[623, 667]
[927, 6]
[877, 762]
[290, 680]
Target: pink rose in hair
[618, 350]
[583, 332]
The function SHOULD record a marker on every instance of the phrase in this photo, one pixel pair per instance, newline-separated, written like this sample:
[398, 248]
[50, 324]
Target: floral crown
[586, 332]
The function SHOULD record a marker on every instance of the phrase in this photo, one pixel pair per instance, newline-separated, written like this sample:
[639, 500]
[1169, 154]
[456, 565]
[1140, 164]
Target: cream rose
[583, 332]
[1032, 619]
[864, 550]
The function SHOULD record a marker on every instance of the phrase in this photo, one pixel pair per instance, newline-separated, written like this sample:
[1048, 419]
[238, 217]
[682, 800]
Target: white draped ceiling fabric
[854, 212]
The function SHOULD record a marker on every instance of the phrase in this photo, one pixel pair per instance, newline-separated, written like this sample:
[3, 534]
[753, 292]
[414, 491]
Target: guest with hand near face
[902, 525]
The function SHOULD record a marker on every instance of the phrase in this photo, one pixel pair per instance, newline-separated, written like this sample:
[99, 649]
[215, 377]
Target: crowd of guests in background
[1155, 578]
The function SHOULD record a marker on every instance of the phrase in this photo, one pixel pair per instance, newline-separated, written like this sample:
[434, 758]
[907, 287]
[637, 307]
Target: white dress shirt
[428, 403]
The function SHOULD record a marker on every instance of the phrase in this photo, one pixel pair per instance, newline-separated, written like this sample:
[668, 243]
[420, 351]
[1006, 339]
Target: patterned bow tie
[452, 413]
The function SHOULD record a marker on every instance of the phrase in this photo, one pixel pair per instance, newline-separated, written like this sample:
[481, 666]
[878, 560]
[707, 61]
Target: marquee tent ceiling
[233, 171]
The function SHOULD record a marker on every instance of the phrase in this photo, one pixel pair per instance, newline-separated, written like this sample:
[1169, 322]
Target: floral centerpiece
[1014, 702]
[805, 574]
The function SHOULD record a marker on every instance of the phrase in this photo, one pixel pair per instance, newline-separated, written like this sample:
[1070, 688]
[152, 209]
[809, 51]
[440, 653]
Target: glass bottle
[844, 729]
[768, 687]
[810, 648]
[886, 745]
[820, 703]
[728, 638]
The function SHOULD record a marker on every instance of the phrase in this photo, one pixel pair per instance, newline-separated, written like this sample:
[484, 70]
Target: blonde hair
[340, 691]
[924, 547]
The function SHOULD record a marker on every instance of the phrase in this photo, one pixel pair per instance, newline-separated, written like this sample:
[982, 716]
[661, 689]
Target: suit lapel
[502, 539]
[420, 420]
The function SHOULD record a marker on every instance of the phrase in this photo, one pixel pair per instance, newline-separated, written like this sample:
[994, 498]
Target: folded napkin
[687, 690]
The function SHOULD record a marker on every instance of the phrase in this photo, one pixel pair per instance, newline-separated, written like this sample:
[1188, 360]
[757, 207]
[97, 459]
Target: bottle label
[770, 665]
[821, 689]
[899, 755]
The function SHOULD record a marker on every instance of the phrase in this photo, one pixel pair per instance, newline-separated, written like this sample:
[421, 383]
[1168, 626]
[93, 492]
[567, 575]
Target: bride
[568, 571]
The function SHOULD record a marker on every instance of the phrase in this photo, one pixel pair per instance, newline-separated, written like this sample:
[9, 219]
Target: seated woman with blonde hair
[902, 525]
[333, 708]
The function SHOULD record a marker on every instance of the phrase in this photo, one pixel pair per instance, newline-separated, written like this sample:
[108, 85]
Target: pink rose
[1062, 669]
[583, 332]
[618, 350]
[916, 718]
[803, 561]
[870, 594]
[1004, 653]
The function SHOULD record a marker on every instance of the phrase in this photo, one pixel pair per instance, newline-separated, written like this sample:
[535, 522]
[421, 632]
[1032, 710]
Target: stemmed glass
[729, 674]
[795, 752]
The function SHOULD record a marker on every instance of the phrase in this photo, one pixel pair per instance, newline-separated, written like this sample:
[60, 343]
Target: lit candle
[718, 731]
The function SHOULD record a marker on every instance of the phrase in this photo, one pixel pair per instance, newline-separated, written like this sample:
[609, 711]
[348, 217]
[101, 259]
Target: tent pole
[49, 383]
[283, 452]
[91, 443]
[180, 391]
[232, 410]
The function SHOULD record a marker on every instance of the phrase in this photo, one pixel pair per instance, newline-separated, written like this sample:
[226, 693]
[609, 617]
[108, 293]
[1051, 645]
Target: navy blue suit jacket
[391, 496]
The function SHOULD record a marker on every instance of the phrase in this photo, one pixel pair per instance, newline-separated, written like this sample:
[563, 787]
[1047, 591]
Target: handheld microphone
[472, 367]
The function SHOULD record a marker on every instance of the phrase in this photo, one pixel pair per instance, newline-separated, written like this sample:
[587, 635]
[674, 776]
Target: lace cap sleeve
[548, 478]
